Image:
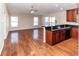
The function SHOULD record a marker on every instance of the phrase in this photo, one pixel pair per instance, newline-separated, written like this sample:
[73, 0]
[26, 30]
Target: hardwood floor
[31, 43]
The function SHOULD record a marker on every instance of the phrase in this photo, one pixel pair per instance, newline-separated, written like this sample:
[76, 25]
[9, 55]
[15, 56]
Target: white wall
[25, 21]
[4, 24]
[59, 16]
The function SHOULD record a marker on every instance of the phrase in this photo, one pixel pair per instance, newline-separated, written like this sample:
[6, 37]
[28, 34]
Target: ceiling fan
[33, 10]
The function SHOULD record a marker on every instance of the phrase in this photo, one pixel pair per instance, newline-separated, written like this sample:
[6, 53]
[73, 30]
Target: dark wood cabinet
[57, 36]
[49, 36]
[53, 37]
[68, 33]
[71, 15]
[62, 35]
[74, 32]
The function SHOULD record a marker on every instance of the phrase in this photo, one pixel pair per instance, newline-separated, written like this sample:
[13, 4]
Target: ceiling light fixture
[56, 5]
[32, 11]
[61, 8]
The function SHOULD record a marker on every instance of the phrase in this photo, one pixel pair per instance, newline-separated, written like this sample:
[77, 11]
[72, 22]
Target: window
[49, 21]
[14, 21]
[35, 21]
[46, 19]
[52, 21]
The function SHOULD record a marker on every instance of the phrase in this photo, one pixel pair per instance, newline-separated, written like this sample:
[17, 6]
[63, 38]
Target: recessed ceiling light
[56, 5]
[61, 8]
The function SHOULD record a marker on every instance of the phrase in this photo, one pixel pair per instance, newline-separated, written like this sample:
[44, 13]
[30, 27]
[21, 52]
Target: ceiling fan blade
[32, 9]
[35, 10]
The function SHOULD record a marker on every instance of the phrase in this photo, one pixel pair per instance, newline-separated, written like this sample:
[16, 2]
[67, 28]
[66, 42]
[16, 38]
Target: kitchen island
[58, 33]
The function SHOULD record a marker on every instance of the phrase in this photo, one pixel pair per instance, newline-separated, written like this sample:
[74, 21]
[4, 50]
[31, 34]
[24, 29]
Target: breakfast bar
[57, 33]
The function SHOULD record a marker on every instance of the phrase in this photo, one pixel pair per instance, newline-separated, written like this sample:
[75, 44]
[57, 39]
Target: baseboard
[24, 29]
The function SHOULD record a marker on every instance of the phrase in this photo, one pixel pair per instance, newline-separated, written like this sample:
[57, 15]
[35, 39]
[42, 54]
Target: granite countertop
[63, 24]
[60, 28]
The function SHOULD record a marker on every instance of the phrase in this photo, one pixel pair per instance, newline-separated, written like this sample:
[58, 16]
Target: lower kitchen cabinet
[57, 36]
[68, 33]
[62, 35]
[49, 36]
[74, 32]
[53, 37]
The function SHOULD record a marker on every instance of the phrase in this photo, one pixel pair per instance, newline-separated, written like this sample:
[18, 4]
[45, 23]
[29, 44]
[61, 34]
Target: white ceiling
[43, 8]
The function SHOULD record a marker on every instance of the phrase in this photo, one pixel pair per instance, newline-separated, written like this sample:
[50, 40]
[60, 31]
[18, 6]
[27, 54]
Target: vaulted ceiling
[43, 8]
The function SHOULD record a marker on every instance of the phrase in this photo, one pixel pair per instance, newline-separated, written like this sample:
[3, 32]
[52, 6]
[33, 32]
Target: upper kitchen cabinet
[71, 15]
